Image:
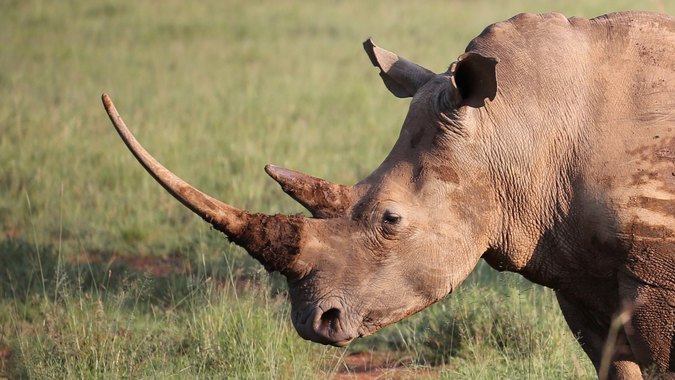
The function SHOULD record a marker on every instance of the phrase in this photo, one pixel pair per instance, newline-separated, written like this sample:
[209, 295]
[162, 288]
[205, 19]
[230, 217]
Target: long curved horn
[322, 198]
[273, 240]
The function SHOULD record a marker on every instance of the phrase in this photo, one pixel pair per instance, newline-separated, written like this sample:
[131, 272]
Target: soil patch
[381, 365]
[155, 266]
[5, 356]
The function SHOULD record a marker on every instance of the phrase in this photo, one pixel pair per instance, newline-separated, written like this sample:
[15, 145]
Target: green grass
[215, 90]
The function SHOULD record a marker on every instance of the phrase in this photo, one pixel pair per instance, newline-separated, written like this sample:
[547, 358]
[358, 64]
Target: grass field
[103, 275]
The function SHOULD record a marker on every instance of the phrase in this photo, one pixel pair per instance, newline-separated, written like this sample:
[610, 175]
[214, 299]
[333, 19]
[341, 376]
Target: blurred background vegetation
[102, 274]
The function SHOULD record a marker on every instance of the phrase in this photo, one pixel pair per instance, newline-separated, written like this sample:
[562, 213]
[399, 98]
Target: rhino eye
[390, 217]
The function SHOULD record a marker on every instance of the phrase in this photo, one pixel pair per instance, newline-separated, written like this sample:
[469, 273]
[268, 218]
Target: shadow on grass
[27, 272]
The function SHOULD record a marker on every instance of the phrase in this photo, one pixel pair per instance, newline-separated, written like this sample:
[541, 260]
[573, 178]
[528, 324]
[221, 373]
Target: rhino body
[582, 155]
[548, 149]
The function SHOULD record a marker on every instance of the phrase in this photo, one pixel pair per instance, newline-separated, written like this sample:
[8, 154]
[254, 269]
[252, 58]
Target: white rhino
[547, 149]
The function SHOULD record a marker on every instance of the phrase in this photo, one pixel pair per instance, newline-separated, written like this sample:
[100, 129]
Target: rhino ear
[402, 77]
[475, 77]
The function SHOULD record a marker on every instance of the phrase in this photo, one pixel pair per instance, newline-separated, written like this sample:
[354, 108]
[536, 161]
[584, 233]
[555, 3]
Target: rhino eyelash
[391, 218]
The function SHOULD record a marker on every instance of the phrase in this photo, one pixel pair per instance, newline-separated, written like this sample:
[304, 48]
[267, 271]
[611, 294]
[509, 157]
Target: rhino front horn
[322, 198]
[275, 240]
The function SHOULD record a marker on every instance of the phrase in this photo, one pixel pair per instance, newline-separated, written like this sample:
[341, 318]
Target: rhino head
[396, 242]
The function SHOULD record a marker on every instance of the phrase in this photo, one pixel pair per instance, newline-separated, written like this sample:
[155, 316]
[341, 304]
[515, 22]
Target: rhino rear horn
[402, 77]
[274, 240]
[322, 198]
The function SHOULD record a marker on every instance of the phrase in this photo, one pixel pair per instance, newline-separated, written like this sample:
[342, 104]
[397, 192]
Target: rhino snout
[325, 324]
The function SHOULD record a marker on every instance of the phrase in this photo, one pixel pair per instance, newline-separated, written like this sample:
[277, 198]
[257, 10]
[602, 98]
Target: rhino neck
[582, 250]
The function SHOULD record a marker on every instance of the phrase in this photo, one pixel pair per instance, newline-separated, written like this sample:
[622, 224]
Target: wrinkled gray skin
[548, 149]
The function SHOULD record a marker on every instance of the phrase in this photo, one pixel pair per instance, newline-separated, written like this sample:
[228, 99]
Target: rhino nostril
[330, 315]
[329, 322]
